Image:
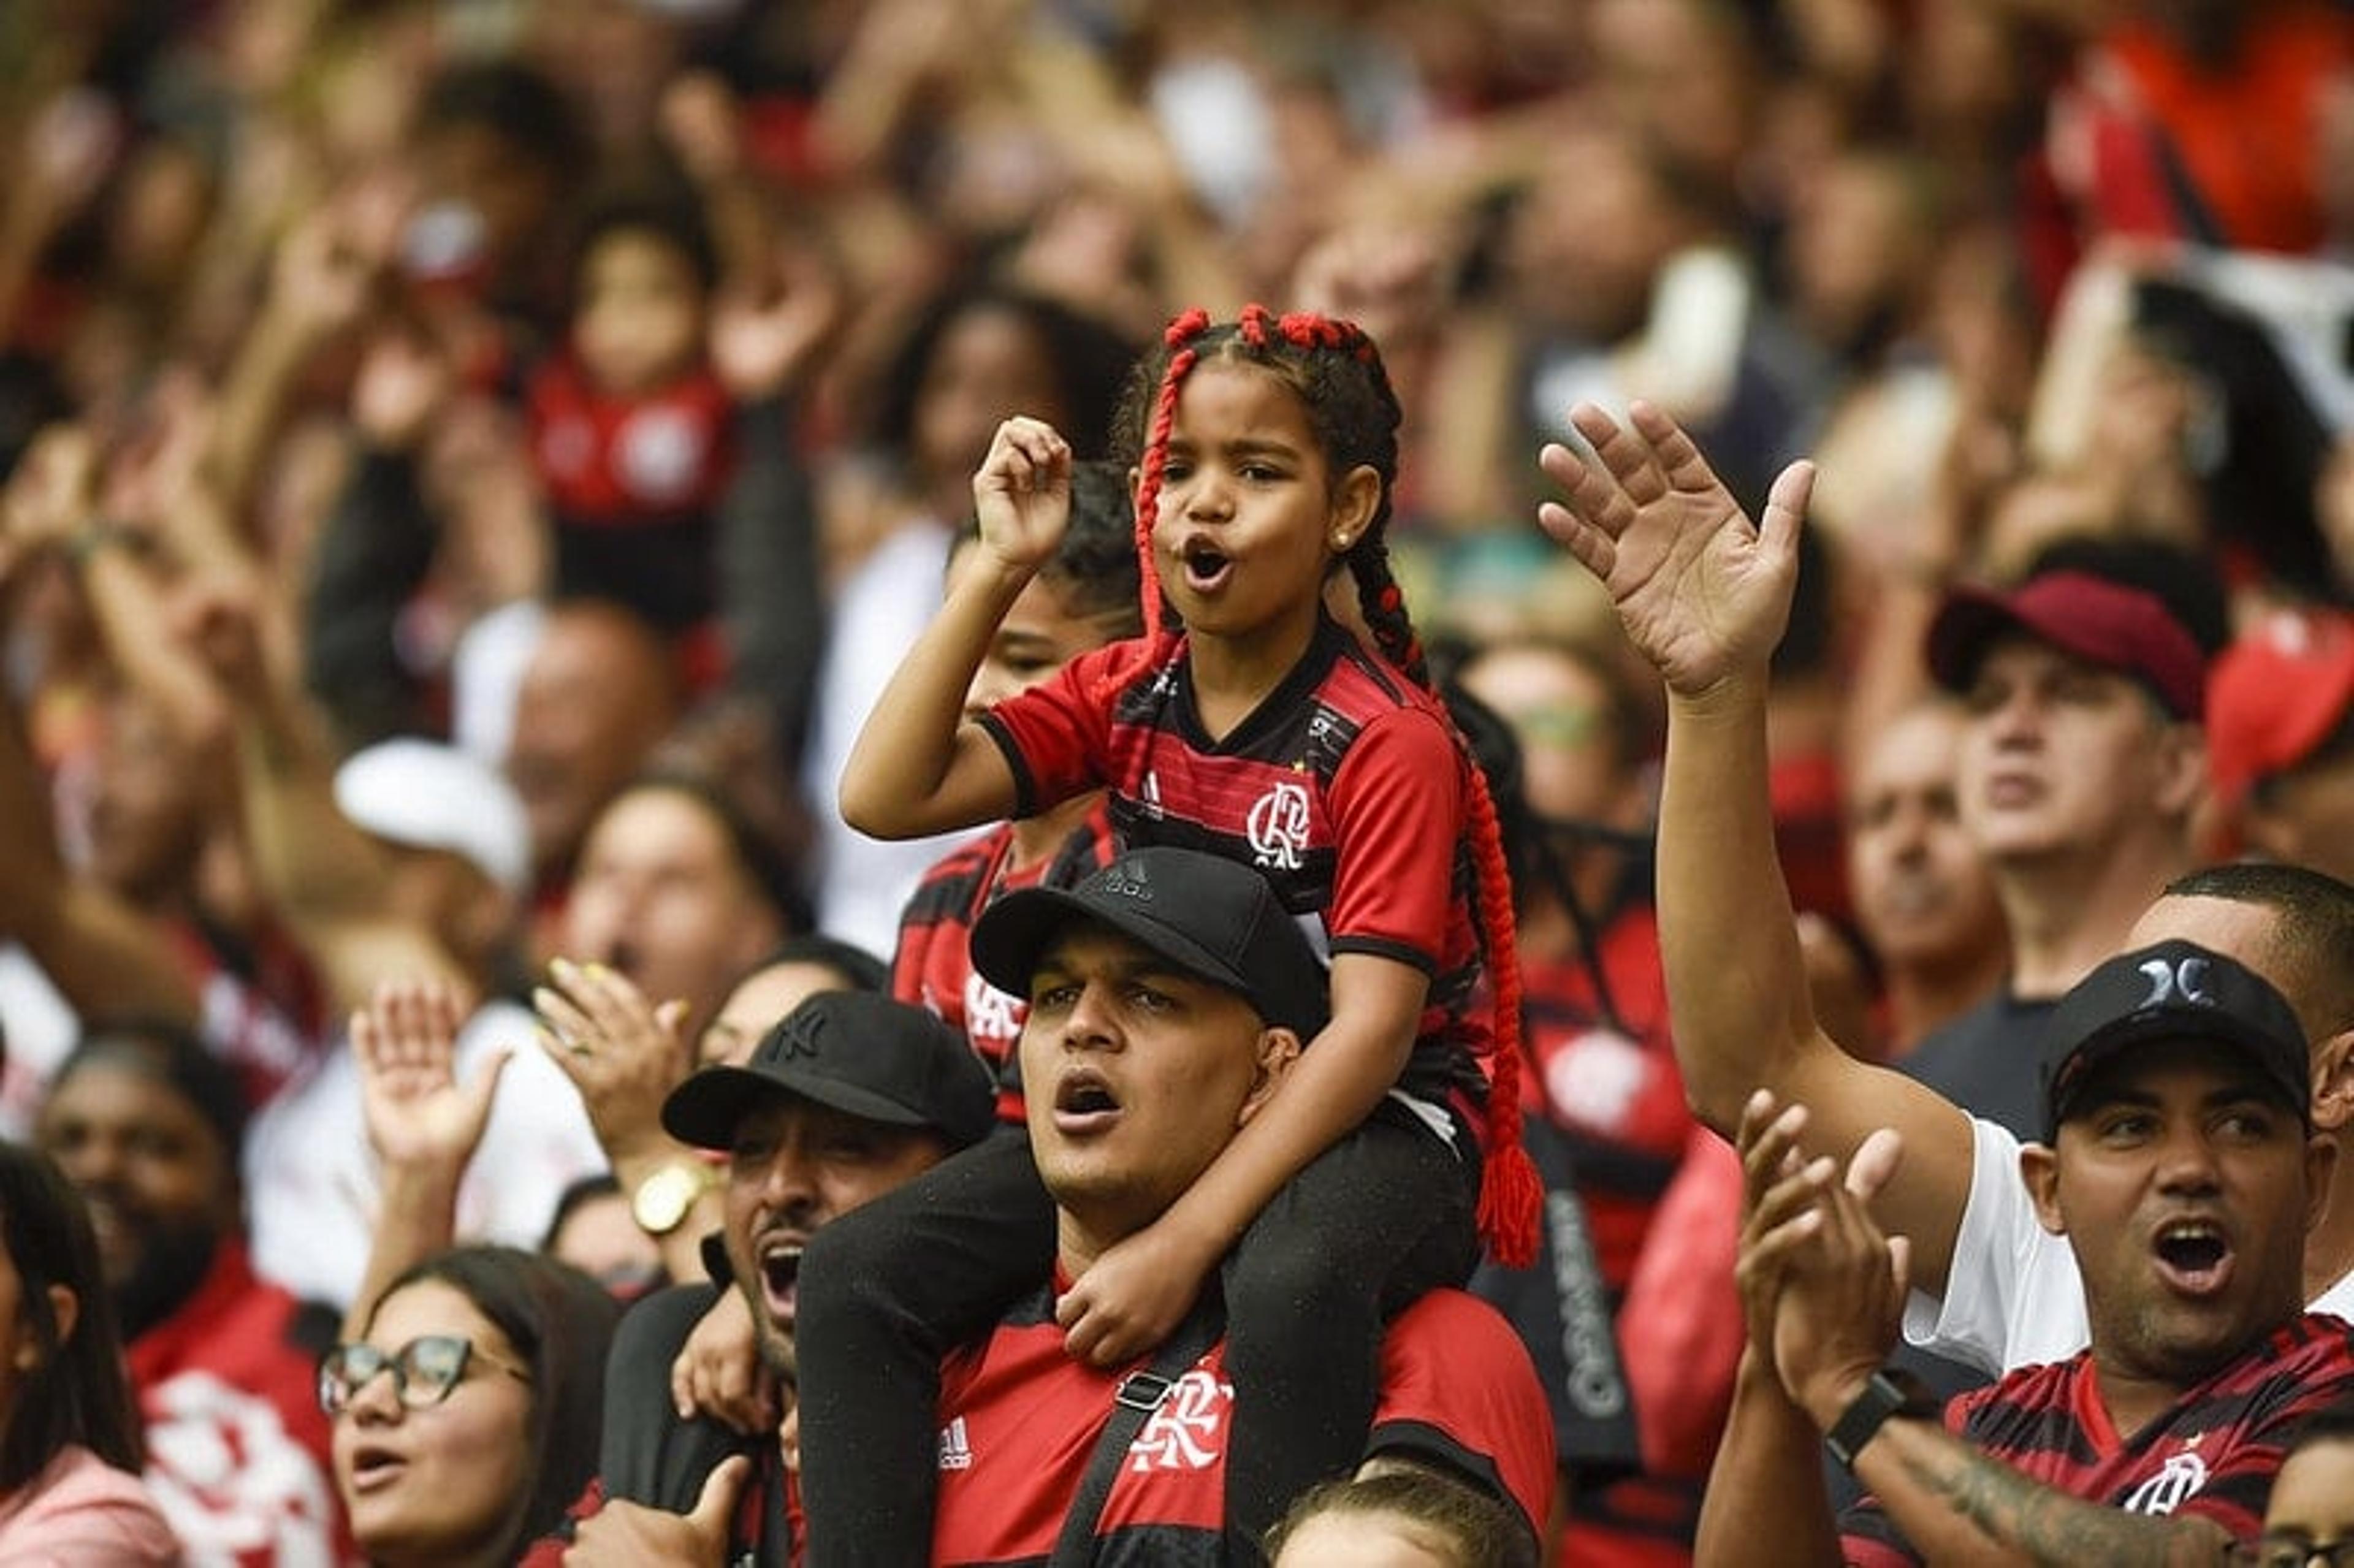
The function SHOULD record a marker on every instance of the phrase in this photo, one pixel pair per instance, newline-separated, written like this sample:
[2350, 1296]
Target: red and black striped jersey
[932, 966]
[2213, 1453]
[1345, 788]
[1019, 1421]
[1609, 1083]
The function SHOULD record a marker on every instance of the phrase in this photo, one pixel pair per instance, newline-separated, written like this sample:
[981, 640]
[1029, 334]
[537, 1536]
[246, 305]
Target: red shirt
[236, 1445]
[1019, 1421]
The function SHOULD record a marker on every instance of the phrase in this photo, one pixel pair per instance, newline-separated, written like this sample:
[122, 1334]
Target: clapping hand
[1822, 1288]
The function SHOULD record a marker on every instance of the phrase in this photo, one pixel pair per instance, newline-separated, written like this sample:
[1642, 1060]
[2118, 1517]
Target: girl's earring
[1342, 541]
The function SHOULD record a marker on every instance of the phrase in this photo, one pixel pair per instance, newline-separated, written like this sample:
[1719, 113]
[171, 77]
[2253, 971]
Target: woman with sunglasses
[467, 1406]
[69, 1452]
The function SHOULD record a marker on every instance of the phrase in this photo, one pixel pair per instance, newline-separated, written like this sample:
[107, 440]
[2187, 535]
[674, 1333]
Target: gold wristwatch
[662, 1200]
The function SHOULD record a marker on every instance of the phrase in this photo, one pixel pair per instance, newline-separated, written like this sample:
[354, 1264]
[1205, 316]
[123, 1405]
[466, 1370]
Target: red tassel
[1510, 1197]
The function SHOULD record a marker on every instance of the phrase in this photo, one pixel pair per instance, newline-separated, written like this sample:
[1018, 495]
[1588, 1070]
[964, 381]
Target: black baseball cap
[2173, 990]
[1213, 917]
[859, 1053]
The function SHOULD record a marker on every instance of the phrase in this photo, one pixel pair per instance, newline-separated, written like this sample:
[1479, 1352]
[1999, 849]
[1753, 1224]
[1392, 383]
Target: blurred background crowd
[469, 465]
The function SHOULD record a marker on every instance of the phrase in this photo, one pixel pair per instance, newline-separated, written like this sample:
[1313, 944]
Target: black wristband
[1891, 1391]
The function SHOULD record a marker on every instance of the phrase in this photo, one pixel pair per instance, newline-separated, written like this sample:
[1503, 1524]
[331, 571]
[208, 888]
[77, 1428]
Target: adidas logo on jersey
[955, 1453]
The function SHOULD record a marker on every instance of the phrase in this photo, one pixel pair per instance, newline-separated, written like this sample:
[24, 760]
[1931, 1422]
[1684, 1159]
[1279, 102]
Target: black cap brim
[702, 1111]
[2254, 1046]
[1013, 936]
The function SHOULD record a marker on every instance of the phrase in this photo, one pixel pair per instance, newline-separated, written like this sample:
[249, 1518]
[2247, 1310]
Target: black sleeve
[769, 600]
[374, 550]
[648, 1455]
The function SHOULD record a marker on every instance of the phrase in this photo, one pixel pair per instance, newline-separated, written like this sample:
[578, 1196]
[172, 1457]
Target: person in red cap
[2082, 762]
[2281, 739]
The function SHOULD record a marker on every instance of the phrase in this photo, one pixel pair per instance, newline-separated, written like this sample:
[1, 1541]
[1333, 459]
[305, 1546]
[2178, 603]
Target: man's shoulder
[1458, 1389]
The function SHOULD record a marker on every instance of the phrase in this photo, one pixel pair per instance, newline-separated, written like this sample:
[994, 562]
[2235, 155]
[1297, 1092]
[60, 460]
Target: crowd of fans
[469, 470]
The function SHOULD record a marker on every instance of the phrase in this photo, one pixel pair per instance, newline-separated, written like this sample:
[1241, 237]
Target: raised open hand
[1022, 493]
[1701, 591]
[760, 343]
[54, 490]
[622, 1050]
[418, 1114]
[402, 382]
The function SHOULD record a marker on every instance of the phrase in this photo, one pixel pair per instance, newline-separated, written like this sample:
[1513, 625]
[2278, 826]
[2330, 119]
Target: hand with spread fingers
[1701, 591]
[623, 1051]
[418, 1116]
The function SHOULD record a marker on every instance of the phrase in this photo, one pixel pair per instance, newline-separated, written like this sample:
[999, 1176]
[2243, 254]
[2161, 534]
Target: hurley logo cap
[865, 1055]
[2174, 990]
[1214, 918]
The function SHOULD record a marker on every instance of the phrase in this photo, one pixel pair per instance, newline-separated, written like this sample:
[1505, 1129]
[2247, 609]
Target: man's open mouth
[1084, 1103]
[2194, 1256]
[781, 1277]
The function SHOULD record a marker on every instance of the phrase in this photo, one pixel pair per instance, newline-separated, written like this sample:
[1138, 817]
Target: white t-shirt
[2013, 1298]
[312, 1183]
[881, 609]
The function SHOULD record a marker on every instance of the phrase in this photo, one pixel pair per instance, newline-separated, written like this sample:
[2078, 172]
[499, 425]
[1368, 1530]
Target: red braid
[1179, 337]
[1512, 1195]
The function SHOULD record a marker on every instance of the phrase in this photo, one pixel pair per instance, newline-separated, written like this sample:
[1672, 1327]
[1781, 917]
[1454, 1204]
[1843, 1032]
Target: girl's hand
[719, 1371]
[620, 1051]
[418, 1115]
[1130, 1299]
[1701, 589]
[1022, 494]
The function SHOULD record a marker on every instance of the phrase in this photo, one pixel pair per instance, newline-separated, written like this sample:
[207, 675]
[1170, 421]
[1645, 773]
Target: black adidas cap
[1211, 916]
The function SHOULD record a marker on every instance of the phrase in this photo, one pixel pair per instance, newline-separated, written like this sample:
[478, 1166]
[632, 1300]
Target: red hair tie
[1188, 325]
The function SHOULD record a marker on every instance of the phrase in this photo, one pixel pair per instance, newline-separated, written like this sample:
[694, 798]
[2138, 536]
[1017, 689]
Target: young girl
[1264, 731]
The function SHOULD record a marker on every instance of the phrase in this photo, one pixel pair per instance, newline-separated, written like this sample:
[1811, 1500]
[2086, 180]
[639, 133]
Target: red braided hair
[1511, 1193]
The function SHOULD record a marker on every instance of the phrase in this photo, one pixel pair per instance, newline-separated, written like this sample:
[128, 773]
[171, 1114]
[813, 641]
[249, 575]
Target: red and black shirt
[1019, 1418]
[1345, 788]
[2213, 1452]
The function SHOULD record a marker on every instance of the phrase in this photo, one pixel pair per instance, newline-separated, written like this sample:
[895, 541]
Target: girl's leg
[1379, 1218]
[886, 1291]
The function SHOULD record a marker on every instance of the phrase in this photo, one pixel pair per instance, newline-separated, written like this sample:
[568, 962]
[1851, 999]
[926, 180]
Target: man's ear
[1277, 1049]
[2333, 1081]
[2320, 1163]
[2038, 1166]
[2182, 768]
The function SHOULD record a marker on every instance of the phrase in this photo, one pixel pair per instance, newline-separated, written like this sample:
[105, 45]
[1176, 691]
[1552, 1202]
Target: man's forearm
[1956, 1503]
[1765, 1503]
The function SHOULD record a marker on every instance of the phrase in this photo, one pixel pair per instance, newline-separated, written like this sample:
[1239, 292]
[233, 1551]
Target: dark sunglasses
[423, 1371]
